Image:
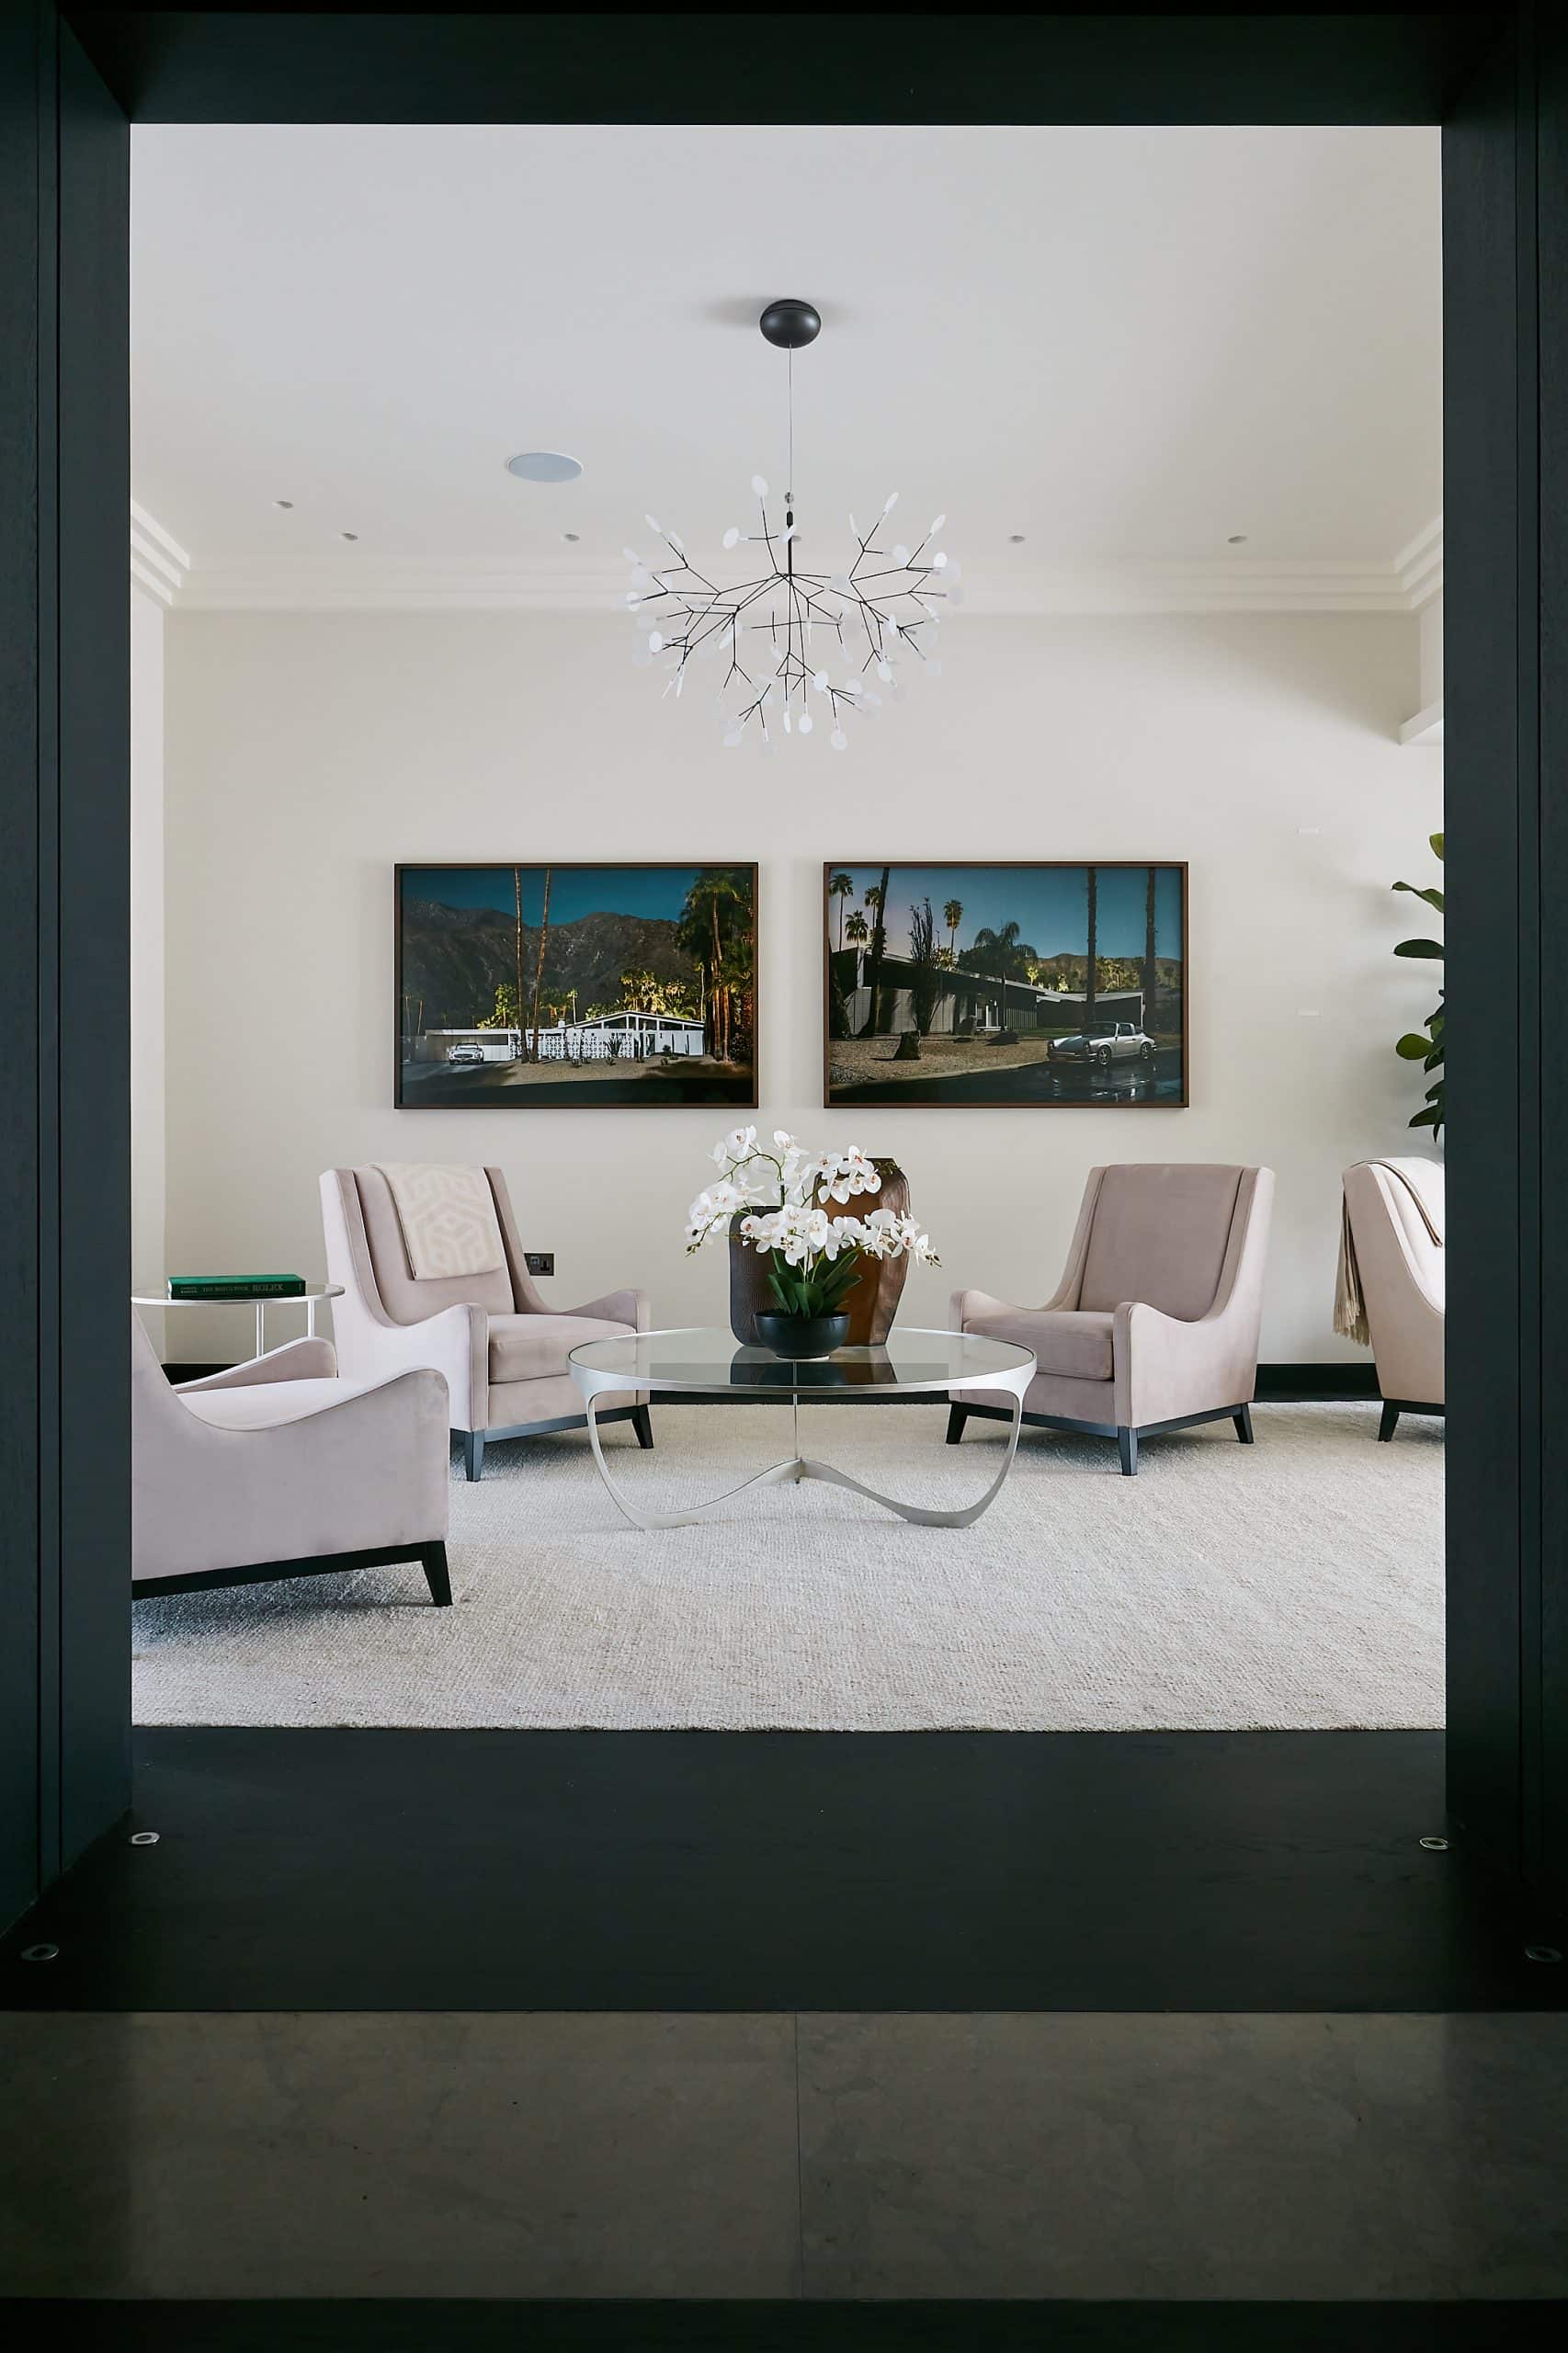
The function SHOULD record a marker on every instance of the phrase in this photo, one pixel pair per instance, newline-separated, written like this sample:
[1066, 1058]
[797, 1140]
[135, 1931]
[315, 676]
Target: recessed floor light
[348, 535]
[1237, 540]
[283, 502]
[545, 465]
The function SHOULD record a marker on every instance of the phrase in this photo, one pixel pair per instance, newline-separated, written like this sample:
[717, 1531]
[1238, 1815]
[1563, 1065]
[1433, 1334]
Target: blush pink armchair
[1154, 1324]
[502, 1350]
[278, 1469]
[1395, 1212]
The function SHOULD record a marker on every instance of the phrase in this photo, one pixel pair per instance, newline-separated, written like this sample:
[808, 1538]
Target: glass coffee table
[712, 1363]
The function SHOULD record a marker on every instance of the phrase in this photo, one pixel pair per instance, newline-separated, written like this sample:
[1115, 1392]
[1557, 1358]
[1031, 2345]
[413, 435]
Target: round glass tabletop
[714, 1359]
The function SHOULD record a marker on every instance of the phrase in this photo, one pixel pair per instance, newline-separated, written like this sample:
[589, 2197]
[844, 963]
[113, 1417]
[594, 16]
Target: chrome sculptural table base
[800, 1466]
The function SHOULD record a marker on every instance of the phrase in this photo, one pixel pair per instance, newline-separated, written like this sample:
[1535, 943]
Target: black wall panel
[1497, 83]
[64, 931]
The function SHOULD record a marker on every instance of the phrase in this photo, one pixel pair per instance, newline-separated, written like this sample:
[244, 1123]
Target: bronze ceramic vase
[871, 1305]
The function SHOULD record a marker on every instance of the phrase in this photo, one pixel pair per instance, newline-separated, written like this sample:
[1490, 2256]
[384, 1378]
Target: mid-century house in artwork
[604, 1037]
[968, 1004]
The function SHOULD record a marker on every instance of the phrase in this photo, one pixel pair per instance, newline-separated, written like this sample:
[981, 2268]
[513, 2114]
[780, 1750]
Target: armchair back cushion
[407, 1300]
[1402, 1271]
[1158, 1235]
[1393, 1187]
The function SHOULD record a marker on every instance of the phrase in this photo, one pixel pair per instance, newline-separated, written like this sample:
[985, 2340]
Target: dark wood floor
[382, 1869]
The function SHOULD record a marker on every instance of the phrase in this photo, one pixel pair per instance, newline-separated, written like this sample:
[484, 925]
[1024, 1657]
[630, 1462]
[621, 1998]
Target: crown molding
[158, 563]
[360, 582]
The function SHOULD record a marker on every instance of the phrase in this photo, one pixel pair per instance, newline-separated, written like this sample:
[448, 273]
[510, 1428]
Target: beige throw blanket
[1349, 1307]
[447, 1216]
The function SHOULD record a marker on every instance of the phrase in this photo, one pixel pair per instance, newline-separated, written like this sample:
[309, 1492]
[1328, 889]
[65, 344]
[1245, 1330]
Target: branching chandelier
[793, 643]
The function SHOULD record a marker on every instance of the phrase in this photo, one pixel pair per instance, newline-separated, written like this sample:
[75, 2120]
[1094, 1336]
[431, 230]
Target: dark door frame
[72, 81]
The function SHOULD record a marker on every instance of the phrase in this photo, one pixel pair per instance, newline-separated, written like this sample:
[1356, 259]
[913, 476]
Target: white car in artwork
[465, 1053]
[1104, 1043]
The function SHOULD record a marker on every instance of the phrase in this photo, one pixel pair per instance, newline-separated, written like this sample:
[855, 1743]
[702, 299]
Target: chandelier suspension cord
[790, 527]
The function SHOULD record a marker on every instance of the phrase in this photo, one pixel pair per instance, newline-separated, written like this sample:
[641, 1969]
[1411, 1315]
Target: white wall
[147, 1074]
[309, 751]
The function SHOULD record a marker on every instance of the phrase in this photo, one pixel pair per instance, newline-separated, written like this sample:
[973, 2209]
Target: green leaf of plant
[1431, 1118]
[1430, 947]
[1433, 898]
[1437, 842]
[1413, 1046]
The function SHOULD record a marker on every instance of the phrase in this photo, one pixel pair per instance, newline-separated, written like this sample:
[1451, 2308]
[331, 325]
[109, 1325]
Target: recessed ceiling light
[572, 536]
[545, 465]
[348, 535]
[283, 502]
[1237, 540]
[1017, 538]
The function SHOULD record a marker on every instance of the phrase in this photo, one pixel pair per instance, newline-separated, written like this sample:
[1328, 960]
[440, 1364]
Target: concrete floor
[1039, 2156]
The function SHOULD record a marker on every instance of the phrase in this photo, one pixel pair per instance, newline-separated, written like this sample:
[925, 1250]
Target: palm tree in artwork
[840, 887]
[518, 893]
[877, 899]
[538, 961]
[1091, 962]
[952, 916]
[854, 929]
[1150, 960]
[715, 931]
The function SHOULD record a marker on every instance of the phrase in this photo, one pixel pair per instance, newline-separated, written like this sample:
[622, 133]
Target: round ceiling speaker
[545, 465]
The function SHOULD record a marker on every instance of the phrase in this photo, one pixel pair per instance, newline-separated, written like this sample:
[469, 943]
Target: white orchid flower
[780, 1200]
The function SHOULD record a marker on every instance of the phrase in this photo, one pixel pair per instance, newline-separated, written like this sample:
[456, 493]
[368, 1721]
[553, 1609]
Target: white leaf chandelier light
[795, 647]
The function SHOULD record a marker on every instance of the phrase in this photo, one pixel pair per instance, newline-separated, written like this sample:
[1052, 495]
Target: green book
[237, 1286]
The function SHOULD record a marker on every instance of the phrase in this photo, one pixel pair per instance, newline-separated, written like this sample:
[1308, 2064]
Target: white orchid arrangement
[780, 1198]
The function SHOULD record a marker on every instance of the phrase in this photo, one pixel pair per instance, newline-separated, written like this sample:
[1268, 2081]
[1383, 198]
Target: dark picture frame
[991, 1025]
[482, 1021]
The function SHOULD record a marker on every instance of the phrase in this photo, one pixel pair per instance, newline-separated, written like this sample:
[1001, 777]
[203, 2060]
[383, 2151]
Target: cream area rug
[1292, 1584]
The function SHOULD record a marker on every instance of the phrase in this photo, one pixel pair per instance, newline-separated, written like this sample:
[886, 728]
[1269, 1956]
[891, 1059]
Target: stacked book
[237, 1287]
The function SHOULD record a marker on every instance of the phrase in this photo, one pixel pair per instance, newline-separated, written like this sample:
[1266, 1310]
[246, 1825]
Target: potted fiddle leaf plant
[778, 1204]
[1425, 1045]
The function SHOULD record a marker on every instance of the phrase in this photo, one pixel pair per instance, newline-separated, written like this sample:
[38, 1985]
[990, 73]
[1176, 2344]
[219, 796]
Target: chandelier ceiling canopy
[794, 647]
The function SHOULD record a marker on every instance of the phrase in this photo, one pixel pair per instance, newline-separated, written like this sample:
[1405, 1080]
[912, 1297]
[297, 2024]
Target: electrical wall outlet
[540, 1262]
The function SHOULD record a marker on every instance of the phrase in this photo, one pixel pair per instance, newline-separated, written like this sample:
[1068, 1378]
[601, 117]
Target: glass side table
[305, 1299]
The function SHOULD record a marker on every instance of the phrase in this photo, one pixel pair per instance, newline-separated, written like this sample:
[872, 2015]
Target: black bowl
[798, 1336]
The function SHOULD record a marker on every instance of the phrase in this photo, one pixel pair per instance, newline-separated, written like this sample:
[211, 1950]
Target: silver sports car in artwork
[1106, 1042]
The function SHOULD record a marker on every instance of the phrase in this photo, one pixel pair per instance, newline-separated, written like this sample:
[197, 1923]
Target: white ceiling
[1126, 344]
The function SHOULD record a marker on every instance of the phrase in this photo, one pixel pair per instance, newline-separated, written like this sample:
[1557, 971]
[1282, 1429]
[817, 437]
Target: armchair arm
[455, 1344]
[965, 1303]
[617, 1307]
[296, 1361]
[1164, 1367]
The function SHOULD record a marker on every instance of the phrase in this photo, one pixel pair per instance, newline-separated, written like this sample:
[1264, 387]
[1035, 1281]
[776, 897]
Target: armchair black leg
[433, 1559]
[957, 1416]
[473, 1454]
[1243, 1420]
[642, 1421]
[1390, 1422]
[1128, 1442]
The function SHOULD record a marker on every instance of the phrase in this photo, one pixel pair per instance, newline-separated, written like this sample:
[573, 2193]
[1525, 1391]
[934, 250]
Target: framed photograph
[1042, 984]
[538, 985]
